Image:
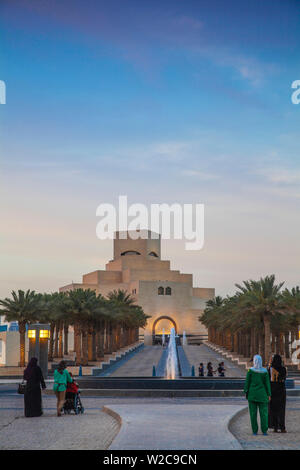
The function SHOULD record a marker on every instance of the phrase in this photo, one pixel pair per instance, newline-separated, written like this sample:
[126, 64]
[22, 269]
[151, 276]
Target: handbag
[21, 387]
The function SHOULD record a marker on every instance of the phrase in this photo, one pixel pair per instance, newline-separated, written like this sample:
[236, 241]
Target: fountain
[184, 340]
[163, 337]
[171, 371]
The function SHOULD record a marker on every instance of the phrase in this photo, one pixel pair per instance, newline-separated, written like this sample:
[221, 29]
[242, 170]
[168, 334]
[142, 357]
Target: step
[158, 393]
[233, 357]
[181, 383]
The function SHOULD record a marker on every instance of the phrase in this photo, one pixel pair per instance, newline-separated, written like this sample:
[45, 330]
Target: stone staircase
[293, 371]
[94, 368]
[241, 361]
[115, 358]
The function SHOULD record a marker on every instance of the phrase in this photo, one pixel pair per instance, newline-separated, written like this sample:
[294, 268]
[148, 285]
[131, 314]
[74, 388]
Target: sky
[174, 101]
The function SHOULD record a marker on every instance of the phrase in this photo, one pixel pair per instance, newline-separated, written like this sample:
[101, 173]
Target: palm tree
[211, 316]
[23, 308]
[262, 298]
[83, 304]
[291, 301]
[126, 316]
[245, 321]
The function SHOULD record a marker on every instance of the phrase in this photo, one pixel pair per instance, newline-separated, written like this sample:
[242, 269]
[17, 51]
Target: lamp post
[38, 335]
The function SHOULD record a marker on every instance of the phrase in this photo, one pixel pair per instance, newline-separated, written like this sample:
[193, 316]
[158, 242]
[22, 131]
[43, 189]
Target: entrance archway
[163, 317]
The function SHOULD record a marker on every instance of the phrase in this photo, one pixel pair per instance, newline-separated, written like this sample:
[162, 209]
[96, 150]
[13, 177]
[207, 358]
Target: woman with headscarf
[258, 393]
[61, 379]
[32, 396]
[277, 374]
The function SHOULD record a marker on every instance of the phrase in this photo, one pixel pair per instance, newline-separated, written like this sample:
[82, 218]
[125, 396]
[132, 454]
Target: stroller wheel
[82, 410]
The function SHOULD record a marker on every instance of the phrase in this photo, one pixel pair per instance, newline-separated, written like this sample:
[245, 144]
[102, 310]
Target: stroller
[73, 402]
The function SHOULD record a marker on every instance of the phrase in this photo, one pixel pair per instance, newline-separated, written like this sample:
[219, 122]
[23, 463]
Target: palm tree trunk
[252, 342]
[235, 343]
[51, 342]
[60, 339]
[94, 346]
[125, 336]
[248, 344]
[286, 345]
[66, 339]
[261, 344]
[256, 342]
[77, 343]
[231, 342]
[90, 344]
[56, 340]
[109, 339]
[105, 344]
[239, 343]
[118, 332]
[277, 347]
[113, 338]
[99, 349]
[281, 344]
[273, 342]
[267, 328]
[84, 352]
[100, 340]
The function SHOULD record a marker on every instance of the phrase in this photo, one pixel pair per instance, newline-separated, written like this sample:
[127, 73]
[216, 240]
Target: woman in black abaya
[33, 397]
[278, 394]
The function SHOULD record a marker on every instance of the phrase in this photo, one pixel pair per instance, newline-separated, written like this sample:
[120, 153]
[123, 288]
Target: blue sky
[173, 101]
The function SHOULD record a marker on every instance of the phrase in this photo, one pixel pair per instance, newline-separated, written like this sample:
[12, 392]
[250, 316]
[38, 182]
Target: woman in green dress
[61, 379]
[258, 393]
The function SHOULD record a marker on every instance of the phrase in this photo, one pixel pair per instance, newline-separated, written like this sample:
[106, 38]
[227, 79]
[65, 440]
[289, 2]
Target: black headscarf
[277, 365]
[61, 367]
[276, 362]
[30, 368]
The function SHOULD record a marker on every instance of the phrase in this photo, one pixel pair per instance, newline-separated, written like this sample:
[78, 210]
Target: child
[201, 370]
[72, 388]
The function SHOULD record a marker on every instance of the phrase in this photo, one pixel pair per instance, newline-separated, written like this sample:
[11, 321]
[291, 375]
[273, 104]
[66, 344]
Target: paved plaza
[240, 428]
[93, 430]
[132, 423]
[184, 426]
[148, 423]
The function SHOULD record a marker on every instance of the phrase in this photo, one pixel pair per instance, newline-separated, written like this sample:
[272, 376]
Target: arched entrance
[163, 317]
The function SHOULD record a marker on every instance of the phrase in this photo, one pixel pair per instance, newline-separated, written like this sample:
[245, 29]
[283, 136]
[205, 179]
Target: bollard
[153, 371]
[193, 371]
[80, 371]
